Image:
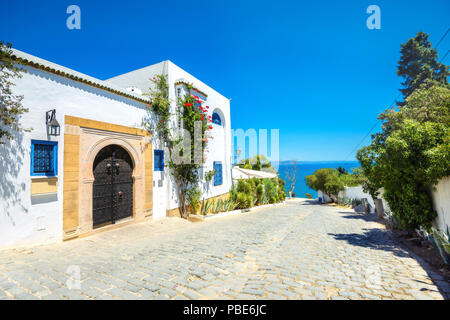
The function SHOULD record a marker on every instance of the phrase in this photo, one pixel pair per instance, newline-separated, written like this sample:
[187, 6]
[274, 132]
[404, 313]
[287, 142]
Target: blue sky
[311, 69]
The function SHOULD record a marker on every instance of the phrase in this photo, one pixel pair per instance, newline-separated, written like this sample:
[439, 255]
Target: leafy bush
[308, 196]
[193, 199]
[250, 192]
[326, 180]
[411, 154]
[259, 193]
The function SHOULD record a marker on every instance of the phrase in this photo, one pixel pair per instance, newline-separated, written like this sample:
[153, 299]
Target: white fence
[440, 196]
[441, 203]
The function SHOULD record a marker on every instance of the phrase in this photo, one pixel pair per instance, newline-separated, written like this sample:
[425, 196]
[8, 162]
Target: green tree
[10, 104]
[258, 162]
[342, 170]
[411, 154]
[418, 63]
[326, 180]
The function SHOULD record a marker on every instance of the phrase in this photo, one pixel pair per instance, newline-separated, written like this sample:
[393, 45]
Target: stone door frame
[83, 139]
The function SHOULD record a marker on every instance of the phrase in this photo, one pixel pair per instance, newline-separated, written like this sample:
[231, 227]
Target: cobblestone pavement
[298, 250]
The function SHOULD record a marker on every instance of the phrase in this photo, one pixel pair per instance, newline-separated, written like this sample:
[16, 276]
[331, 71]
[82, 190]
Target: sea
[305, 168]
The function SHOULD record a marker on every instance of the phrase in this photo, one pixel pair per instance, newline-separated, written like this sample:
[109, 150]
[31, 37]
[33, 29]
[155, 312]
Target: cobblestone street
[298, 250]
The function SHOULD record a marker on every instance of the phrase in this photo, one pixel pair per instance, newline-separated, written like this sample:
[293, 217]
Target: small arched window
[216, 118]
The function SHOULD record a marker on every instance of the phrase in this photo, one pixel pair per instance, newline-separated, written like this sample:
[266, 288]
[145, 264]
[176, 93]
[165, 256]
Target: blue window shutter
[44, 158]
[218, 180]
[159, 160]
[216, 119]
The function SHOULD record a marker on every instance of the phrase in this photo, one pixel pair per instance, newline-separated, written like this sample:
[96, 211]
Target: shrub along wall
[250, 192]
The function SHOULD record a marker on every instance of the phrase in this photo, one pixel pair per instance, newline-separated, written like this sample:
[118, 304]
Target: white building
[103, 168]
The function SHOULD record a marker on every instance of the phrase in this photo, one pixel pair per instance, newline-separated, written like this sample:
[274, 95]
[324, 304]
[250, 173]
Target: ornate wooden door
[113, 186]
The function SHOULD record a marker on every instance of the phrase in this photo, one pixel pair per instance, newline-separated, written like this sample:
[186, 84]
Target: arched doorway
[112, 197]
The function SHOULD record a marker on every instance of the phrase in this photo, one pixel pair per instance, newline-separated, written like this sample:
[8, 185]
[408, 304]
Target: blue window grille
[158, 156]
[216, 118]
[218, 180]
[44, 158]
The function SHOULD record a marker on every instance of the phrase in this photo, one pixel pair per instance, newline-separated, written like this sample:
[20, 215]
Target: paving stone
[191, 294]
[121, 294]
[167, 292]
[292, 251]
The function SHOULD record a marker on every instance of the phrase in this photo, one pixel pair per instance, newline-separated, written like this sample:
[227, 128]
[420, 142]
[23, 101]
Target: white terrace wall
[440, 197]
[441, 203]
[357, 193]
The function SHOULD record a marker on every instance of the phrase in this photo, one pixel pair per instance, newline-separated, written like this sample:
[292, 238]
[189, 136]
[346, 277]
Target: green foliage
[11, 107]
[342, 170]
[271, 190]
[344, 201]
[218, 207]
[411, 154]
[258, 162]
[250, 192]
[259, 194]
[186, 173]
[412, 151]
[193, 199]
[326, 180]
[206, 207]
[308, 196]
[229, 205]
[281, 190]
[418, 63]
[352, 179]
[209, 175]
[441, 244]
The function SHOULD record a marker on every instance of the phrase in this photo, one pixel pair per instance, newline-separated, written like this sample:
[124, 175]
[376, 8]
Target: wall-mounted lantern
[53, 128]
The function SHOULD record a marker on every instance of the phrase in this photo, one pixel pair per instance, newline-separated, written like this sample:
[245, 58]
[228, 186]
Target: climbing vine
[11, 107]
[189, 145]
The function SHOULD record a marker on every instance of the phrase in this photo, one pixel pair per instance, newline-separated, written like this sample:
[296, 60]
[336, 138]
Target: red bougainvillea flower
[204, 139]
[187, 104]
[207, 107]
[210, 127]
[199, 101]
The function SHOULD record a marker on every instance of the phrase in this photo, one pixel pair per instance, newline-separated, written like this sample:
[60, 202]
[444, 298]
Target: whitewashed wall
[323, 196]
[21, 221]
[357, 193]
[219, 147]
[441, 202]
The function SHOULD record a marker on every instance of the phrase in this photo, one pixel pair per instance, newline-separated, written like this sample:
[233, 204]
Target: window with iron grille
[44, 158]
[217, 165]
[158, 156]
